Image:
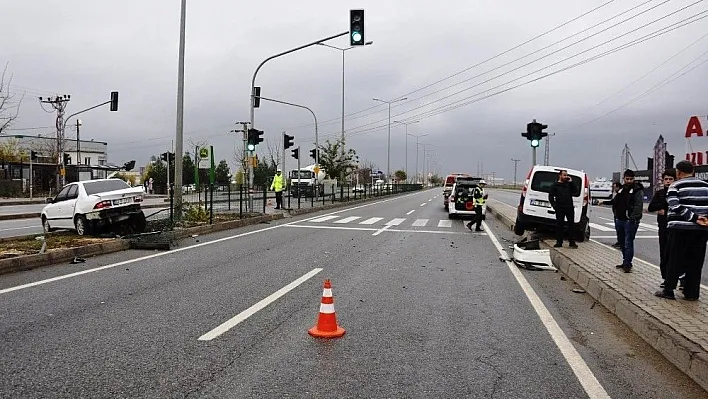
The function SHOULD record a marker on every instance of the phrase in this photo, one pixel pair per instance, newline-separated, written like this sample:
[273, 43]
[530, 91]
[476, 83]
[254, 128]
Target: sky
[458, 63]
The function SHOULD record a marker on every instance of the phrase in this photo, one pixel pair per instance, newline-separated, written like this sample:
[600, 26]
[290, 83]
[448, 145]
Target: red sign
[694, 129]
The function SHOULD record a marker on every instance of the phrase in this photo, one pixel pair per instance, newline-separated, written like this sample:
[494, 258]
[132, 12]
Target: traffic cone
[326, 326]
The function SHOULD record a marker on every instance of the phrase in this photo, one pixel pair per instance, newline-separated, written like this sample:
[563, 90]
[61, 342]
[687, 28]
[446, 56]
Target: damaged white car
[86, 205]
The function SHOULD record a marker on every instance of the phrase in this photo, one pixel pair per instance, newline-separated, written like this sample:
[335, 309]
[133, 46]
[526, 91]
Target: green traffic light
[535, 143]
[251, 147]
[356, 36]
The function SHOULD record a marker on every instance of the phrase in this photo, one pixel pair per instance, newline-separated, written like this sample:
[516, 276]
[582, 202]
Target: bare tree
[275, 152]
[365, 170]
[9, 105]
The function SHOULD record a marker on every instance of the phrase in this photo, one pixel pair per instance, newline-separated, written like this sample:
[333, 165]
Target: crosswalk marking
[642, 227]
[649, 226]
[347, 219]
[371, 221]
[420, 222]
[395, 222]
[323, 219]
[601, 227]
[445, 223]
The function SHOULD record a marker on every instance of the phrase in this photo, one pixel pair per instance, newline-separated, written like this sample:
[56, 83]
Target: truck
[302, 181]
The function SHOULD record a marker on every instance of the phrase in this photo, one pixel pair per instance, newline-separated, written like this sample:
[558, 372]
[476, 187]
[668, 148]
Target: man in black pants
[659, 205]
[561, 199]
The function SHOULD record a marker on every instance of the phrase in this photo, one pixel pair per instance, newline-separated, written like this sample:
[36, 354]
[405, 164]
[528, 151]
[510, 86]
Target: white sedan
[83, 206]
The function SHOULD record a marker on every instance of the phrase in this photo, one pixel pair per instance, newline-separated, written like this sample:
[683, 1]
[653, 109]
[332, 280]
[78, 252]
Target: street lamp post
[343, 50]
[406, 124]
[416, 152]
[388, 157]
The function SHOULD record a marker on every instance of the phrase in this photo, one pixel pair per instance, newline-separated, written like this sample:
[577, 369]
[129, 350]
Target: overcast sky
[89, 48]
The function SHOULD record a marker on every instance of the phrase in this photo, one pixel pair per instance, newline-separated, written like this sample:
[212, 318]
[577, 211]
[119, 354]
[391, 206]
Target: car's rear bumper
[114, 214]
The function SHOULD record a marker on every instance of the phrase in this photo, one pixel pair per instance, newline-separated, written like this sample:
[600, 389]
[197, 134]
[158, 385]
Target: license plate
[541, 203]
[121, 201]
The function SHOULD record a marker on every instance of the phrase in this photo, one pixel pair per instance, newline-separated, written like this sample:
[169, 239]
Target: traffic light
[256, 96]
[163, 156]
[296, 153]
[254, 137]
[67, 159]
[114, 101]
[313, 154]
[534, 133]
[356, 27]
[167, 156]
[33, 155]
[288, 141]
[128, 166]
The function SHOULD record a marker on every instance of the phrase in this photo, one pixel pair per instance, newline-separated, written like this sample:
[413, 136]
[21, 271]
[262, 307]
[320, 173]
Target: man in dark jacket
[561, 199]
[659, 205]
[629, 206]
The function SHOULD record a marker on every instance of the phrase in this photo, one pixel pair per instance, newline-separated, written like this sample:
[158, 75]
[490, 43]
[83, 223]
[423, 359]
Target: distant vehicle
[535, 212]
[304, 182]
[600, 189]
[447, 186]
[83, 206]
[461, 200]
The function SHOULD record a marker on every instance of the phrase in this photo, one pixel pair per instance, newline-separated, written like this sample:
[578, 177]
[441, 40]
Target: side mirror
[49, 200]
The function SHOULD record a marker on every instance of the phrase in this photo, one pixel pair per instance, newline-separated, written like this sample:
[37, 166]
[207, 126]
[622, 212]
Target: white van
[535, 212]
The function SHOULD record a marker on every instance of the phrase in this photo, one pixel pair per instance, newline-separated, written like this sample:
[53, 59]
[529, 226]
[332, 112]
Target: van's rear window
[543, 181]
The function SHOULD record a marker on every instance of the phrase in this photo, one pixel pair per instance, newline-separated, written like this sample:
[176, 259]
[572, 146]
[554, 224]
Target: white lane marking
[371, 221]
[188, 248]
[323, 219]
[22, 228]
[649, 226]
[430, 200]
[409, 212]
[611, 220]
[615, 237]
[348, 219]
[600, 227]
[585, 376]
[420, 222]
[635, 258]
[445, 223]
[379, 231]
[395, 221]
[423, 204]
[232, 322]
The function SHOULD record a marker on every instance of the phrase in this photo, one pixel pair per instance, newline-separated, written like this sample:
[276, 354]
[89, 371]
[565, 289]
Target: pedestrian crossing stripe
[347, 219]
[642, 227]
[601, 227]
[444, 223]
[420, 223]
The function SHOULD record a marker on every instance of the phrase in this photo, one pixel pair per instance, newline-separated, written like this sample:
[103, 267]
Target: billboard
[697, 141]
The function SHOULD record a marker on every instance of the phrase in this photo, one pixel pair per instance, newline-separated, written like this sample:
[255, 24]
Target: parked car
[461, 200]
[84, 206]
[535, 212]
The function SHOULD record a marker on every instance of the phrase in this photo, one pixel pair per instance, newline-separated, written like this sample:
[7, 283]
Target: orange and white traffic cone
[326, 326]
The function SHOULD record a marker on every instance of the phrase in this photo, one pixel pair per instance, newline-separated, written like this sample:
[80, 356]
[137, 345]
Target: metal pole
[533, 150]
[343, 99]
[408, 178]
[416, 159]
[31, 176]
[180, 115]
[516, 162]
[78, 148]
[388, 157]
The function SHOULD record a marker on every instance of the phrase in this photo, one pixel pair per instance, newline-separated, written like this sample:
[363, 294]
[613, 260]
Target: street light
[416, 151]
[343, 50]
[78, 146]
[406, 123]
[388, 157]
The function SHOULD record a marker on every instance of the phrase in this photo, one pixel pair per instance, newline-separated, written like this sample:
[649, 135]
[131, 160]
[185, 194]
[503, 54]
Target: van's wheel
[81, 225]
[518, 228]
[138, 222]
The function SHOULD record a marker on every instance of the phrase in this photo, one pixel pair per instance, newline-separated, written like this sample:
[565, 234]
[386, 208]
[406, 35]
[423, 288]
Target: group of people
[681, 206]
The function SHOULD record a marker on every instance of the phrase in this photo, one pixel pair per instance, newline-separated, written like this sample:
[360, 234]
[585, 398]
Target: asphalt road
[429, 309]
[646, 244]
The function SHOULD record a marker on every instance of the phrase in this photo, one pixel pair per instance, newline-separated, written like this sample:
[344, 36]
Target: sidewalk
[677, 329]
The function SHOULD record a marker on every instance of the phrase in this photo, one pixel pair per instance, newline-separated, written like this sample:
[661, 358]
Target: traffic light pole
[533, 156]
[253, 85]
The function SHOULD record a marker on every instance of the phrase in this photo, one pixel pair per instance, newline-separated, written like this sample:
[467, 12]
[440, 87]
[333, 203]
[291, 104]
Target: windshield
[543, 181]
[103, 186]
[304, 174]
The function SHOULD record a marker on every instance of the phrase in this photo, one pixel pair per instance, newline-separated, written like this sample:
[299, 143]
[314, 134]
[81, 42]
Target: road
[646, 245]
[429, 310]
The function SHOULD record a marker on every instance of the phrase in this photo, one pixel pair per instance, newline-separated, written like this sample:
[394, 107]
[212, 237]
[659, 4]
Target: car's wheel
[518, 228]
[450, 215]
[138, 222]
[81, 225]
[45, 225]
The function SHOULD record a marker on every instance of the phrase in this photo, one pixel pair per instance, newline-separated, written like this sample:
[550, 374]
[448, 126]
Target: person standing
[480, 198]
[561, 199]
[278, 185]
[629, 207]
[659, 205]
[688, 232]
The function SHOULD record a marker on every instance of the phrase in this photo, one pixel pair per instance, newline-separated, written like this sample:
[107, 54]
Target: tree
[335, 161]
[264, 172]
[126, 178]
[187, 169]
[365, 171]
[275, 152]
[222, 172]
[400, 175]
[10, 151]
[158, 171]
[436, 180]
[9, 105]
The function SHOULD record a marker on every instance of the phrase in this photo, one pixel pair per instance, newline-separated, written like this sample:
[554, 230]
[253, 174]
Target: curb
[686, 355]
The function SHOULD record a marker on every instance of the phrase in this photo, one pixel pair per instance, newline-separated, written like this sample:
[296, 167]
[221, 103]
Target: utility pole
[59, 105]
[547, 157]
[179, 150]
[516, 162]
[244, 154]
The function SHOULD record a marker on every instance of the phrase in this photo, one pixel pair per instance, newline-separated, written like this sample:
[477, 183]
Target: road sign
[316, 169]
[204, 158]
